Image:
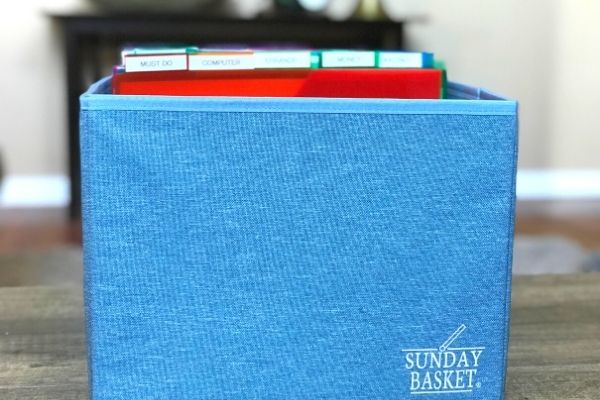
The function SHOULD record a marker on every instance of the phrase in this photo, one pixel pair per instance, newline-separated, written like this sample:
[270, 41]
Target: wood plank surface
[554, 350]
[42, 348]
[554, 344]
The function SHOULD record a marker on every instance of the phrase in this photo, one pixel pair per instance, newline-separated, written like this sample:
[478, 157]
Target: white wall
[575, 97]
[544, 53]
[504, 45]
[32, 113]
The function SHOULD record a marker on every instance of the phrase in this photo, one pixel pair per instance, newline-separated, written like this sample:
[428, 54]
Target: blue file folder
[283, 248]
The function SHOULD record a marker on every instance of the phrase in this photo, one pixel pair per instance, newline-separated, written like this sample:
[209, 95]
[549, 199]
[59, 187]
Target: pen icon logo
[444, 369]
[444, 346]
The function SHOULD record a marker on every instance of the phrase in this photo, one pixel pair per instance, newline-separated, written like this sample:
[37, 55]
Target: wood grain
[554, 344]
[42, 350]
[555, 338]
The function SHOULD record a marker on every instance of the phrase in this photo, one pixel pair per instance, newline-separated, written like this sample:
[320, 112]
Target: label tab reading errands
[282, 59]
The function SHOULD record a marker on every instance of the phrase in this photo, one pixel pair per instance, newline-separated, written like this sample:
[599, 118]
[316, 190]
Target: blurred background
[545, 53]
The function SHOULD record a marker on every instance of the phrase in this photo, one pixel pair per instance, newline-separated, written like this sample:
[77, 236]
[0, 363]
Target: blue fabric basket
[283, 248]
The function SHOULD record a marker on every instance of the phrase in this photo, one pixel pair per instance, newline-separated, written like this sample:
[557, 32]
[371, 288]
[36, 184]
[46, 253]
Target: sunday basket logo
[445, 369]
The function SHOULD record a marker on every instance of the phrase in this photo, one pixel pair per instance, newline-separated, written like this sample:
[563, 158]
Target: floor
[42, 247]
[47, 228]
[37, 229]
[583, 229]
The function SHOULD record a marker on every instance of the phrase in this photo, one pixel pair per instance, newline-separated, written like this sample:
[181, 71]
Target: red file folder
[349, 83]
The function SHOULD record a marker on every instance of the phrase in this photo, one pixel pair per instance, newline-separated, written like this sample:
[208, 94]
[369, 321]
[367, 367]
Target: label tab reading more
[171, 62]
[444, 369]
[221, 61]
[348, 59]
[282, 59]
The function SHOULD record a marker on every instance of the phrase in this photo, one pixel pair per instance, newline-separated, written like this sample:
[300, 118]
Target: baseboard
[34, 191]
[558, 184]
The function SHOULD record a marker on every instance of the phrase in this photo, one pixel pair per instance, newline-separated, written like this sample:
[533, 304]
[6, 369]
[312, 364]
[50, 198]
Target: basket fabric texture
[245, 248]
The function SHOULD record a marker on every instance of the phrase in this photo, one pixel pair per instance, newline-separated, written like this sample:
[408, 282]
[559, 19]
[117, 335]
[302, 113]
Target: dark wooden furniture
[554, 342]
[85, 35]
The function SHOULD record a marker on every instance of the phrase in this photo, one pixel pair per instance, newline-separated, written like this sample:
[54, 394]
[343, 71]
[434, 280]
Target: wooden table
[554, 344]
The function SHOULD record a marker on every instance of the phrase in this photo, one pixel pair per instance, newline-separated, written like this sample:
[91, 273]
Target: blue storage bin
[282, 248]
